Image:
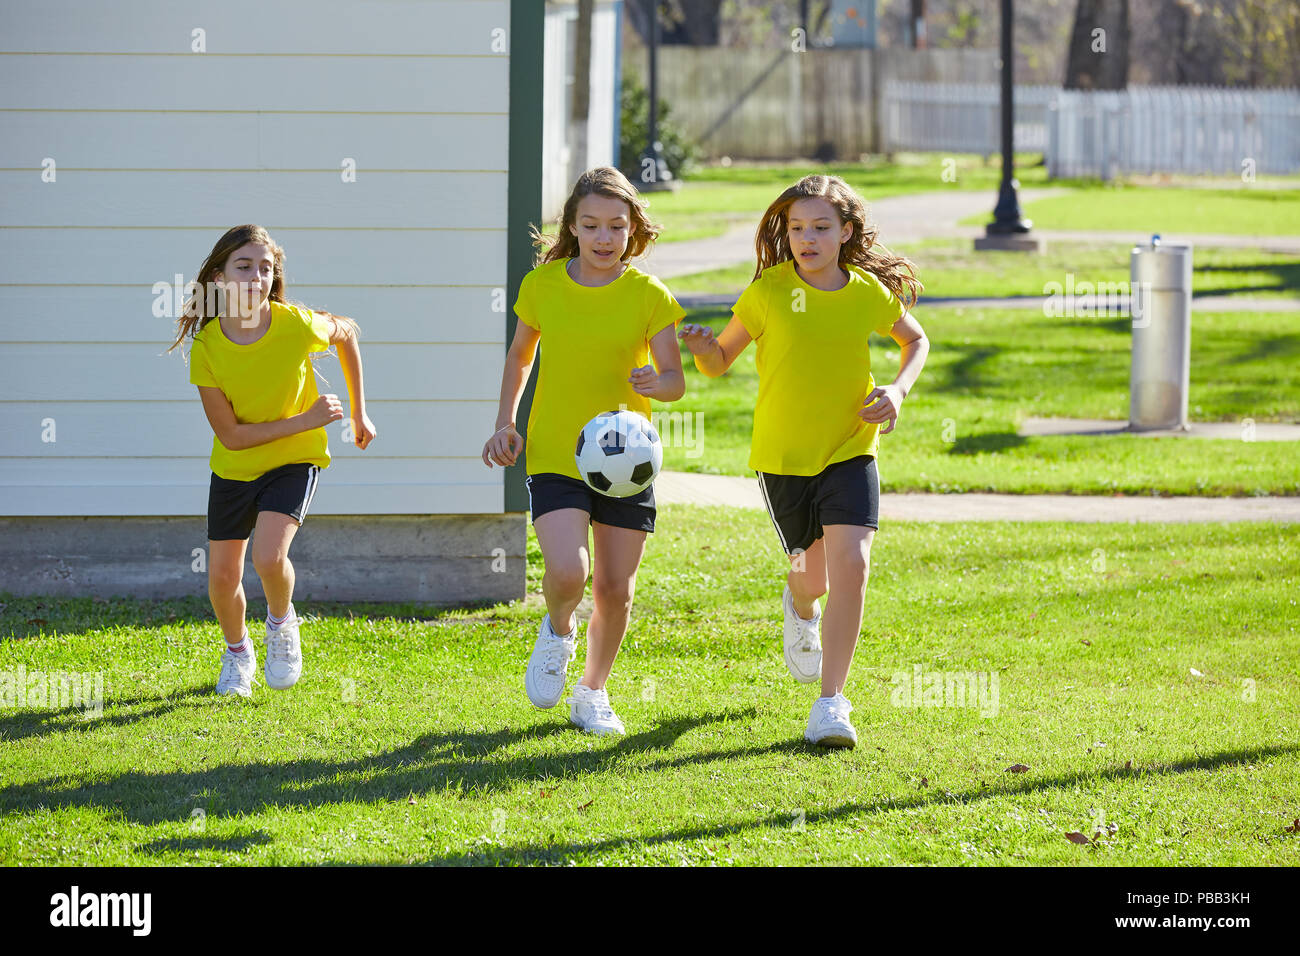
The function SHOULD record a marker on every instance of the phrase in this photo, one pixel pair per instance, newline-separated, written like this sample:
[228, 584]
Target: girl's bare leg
[618, 553]
[848, 563]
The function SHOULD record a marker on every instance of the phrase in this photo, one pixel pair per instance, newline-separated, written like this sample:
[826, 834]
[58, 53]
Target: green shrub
[681, 155]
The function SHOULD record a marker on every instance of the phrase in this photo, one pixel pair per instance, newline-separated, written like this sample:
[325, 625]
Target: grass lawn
[409, 738]
[1242, 211]
[989, 369]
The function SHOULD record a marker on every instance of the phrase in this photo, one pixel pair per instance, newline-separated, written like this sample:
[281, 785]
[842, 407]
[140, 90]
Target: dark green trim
[524, 191]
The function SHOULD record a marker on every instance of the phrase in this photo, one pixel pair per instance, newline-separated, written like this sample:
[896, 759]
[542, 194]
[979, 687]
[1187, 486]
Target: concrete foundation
[427, 559]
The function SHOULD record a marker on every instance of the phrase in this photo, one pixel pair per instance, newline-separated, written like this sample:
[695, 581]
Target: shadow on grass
[560, 853]
[228, 844]
[29, 617]
[987, 442]
[460, 761]
[966, 374]
[41, 723]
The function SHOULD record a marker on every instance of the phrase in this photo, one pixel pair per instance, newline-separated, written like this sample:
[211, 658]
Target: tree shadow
[558, 853]
[987, 442]
[41, 723]
[965, 375]
[227, 844]
[458, 760]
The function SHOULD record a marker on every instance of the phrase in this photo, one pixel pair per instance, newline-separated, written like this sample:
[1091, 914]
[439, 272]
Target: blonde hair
[194, 315]
[601, 181]
[772, 242]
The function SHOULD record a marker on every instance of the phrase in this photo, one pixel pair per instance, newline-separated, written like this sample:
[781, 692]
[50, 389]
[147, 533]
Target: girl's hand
[888, 399]
[698, 338]
[326, 409]
[363, 431]
[645, 380]
[503, 447]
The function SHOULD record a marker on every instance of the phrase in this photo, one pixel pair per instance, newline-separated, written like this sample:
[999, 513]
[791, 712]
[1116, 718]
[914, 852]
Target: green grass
[952, 268]
[989, 369]
[718, 197]
[409, 739]
[1145, 209]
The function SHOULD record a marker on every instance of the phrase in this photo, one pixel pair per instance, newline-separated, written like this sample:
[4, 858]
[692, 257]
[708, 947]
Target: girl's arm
[713, 356]
[344, 335]
[668, 383]
[506, 443]
[909, 335]
[236, 435]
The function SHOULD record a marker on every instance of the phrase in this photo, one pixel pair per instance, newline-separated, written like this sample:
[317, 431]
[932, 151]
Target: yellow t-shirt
[266, 381]
[814, 367]
[592, 338]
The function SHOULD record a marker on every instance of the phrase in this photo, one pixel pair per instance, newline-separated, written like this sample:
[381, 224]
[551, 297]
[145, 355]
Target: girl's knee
[224, 578]
[807, 586]
[614, 595]
[269, 562]
[568, 578]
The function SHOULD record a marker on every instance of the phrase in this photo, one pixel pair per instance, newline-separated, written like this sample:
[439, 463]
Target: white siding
[158, 150]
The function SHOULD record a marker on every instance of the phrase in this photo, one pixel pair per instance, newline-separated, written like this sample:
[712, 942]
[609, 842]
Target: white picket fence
[1152, 129]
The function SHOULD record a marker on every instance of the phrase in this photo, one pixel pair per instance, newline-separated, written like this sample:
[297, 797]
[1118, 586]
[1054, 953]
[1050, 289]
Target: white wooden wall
[158, 149]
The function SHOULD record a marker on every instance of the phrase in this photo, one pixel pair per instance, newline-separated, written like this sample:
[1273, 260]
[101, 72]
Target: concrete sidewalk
[675, 487]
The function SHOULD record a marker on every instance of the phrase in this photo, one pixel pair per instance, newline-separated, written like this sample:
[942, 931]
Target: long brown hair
[772, 243]
[601, 181]
[195, 315]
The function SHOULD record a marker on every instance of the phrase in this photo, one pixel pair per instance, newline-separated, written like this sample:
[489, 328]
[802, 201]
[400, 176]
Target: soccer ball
[619, 454]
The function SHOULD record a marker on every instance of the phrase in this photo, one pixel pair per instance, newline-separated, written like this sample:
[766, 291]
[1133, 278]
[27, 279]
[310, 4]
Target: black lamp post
[655, 173]
[1006, 215]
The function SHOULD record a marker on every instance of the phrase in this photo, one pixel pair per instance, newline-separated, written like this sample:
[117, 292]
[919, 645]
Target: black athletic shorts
[551, 492]
[233, 506]
[847, 492]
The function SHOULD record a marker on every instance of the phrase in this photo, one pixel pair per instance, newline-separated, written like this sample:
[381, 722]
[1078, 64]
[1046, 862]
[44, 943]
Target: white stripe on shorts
[312, 477]
[770, 513]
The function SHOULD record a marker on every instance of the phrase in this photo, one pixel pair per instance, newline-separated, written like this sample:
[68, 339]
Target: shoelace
[229, 668]
[279, 645]
[836, 709]
[598, 700]
[808, 634]
[555, 656]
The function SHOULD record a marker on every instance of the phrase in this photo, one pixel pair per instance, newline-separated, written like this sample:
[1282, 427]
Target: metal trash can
[1160, 303]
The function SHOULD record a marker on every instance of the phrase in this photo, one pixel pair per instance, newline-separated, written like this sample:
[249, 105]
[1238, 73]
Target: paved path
[1240, 431]
[675, 487]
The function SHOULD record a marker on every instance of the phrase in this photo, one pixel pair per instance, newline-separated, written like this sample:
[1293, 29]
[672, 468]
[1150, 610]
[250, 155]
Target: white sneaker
[803, 644]
[237, 671]
[548, 665]
[828, 724]
[590, 710]
[283, 653]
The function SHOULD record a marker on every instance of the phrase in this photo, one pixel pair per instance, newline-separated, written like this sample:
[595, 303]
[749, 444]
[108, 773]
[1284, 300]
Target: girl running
[598, 317]
[255, 378]
[822, 286]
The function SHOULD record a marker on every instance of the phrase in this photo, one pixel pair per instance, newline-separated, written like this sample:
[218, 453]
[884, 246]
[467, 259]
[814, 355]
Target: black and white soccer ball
[619, 453]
